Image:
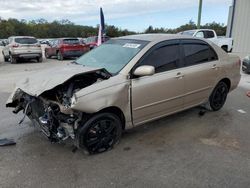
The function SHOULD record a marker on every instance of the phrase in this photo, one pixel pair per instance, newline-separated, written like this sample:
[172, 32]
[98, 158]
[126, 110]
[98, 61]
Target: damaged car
[123, 83]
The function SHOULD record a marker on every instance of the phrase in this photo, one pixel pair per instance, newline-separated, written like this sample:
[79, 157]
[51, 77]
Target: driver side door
[162, 93]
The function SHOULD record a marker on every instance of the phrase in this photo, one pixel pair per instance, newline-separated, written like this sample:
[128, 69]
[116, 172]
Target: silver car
[22, 47]
[124, 83]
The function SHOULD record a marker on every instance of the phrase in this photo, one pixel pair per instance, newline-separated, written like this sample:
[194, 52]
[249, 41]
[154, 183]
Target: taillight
[15, 45]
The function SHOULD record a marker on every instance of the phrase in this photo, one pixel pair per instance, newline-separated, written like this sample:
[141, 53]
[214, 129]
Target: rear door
[200, 72]
[162, 93]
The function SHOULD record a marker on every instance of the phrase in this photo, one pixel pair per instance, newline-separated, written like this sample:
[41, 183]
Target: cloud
[88, 10]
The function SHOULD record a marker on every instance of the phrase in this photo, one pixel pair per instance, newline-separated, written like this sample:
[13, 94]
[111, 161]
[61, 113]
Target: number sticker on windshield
[131, 45]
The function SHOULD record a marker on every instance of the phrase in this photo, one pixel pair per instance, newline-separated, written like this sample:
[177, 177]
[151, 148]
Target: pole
[199, 15]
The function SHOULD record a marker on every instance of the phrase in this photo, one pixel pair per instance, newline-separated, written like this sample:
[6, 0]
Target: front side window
[197, 52]
[164, 58]
[200, 34]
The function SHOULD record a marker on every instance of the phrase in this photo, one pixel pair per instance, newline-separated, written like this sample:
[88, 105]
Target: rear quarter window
[196, 52]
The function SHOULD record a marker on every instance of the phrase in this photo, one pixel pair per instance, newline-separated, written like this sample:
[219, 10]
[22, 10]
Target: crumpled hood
[36, 83]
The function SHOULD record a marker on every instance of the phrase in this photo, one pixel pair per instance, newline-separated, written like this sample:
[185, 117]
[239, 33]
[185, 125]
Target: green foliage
[219, 28]
[41, 28]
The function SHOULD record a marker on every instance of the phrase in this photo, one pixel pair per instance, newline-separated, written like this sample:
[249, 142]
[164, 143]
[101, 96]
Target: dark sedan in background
[246, 64]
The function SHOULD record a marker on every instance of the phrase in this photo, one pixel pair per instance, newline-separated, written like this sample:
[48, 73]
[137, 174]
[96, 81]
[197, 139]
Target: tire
[59, 56]
[6, 59]
[39, 59]
[218, 96]
[100, 133]
[13, 60]
[47, 55]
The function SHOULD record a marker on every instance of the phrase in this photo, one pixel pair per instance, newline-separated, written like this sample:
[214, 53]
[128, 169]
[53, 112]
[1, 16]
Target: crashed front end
[51, 110]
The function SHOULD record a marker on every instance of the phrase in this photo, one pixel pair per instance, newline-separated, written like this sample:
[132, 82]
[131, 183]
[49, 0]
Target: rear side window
[71, 41]
[164, 58]
[209, 34]
[197, 52]
[26, 40]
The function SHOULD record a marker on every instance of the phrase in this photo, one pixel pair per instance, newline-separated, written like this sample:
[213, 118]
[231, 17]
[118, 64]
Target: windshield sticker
[131, 45]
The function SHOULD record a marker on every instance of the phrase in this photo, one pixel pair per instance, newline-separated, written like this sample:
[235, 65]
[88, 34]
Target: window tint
[71, 41]
[26, 40]
[164, 58]
[209, 34]
[196, 53]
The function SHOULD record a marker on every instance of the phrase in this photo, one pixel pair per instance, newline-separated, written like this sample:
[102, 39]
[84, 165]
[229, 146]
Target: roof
[154, 37]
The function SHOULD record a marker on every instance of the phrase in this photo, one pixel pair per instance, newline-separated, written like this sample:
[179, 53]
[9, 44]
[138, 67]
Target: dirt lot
[183, 150]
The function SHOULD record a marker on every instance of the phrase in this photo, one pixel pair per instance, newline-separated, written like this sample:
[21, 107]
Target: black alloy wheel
[219, 96]
[100, 133]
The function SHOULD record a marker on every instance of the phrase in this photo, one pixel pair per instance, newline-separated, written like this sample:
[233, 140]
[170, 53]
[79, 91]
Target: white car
[22, 47]
[223, 42]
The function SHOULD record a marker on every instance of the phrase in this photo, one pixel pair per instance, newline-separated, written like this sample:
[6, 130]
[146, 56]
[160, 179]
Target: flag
[101, 28]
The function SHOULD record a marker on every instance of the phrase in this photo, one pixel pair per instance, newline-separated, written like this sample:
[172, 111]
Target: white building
[238, 26]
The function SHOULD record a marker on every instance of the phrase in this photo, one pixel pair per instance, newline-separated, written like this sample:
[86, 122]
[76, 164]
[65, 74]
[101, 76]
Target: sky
[134, 15]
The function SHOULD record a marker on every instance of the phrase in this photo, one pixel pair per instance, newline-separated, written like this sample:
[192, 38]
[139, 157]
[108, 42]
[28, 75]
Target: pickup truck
[223, 42]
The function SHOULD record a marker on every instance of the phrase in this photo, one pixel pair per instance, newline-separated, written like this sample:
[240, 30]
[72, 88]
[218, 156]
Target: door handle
[179, 75]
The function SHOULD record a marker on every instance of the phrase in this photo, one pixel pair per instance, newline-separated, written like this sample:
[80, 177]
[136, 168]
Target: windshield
[112, 55]
[26, 40]
[189, 33]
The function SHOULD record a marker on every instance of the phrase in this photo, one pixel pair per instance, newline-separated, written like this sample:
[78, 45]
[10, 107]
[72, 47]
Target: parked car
[225, 43]
[246, 64]
[123, 83]
[22, 47]
[65, 48]
[92, 41]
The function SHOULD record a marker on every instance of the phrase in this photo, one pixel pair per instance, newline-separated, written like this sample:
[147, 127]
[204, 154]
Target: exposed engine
[51, 110]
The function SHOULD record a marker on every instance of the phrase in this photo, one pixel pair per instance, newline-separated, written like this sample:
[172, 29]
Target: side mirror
[144, 70]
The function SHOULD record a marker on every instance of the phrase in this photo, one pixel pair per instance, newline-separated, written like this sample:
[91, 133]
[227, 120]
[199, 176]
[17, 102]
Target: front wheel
[5, 58]
[218, 96]
[100, 133]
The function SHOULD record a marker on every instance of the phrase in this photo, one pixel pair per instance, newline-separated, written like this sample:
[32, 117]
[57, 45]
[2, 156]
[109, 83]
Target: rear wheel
[100, 133]
[13, 60]
[59, 56]
[39, 59]
[218, 96]
[47, 55]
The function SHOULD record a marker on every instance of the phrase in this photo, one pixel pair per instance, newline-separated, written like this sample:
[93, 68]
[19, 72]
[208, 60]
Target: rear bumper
[27, 55]
[73, 53]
